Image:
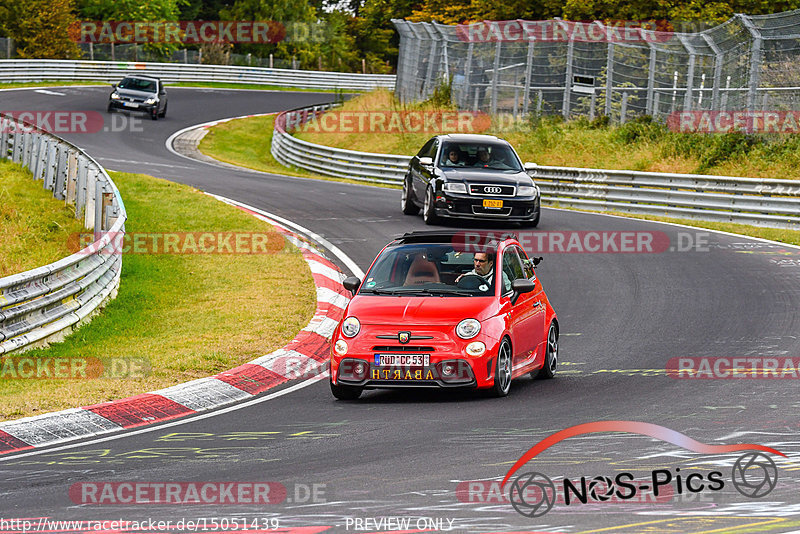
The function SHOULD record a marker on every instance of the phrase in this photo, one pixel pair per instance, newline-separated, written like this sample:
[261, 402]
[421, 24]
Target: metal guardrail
[754, 201]
[22, 70]
[46, 302]
[362, 166]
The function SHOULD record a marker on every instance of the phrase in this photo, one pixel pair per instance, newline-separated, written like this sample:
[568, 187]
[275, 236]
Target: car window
[425, 269]
[137, 84]
[527, 264]
[427, 150]
[512, 268]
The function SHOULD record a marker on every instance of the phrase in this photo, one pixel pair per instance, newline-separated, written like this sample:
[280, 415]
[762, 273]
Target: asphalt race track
[398, 461]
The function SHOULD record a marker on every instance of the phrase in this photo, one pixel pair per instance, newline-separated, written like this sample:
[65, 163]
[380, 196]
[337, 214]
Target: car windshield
[438, 269]
[137, 84]
[479, 156]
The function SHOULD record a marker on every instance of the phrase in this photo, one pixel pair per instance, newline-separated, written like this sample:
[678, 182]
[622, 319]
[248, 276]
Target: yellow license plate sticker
[488, 203]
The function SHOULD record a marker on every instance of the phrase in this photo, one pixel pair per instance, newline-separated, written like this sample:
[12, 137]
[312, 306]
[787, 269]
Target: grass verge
[189, 315]
[34, 227]
[246, 143]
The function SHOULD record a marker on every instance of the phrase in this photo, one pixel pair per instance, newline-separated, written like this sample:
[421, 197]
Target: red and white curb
[306, 356]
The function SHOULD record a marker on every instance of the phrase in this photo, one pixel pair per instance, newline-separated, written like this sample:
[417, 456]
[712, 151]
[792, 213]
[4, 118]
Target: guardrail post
[50, 169]
[27, 137]
[80, 186]
[72, 175]
[16, 147]
[61, 174]
[5, 127]
[623, 112]
[467, 75]
[89, 211]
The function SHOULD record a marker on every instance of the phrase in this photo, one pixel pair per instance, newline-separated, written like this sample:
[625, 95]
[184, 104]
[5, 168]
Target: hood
[128, 93]
[428, 310]
[489, 176]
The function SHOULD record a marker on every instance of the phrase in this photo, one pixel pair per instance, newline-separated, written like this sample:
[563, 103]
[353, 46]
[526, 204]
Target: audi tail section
[470, 177]
[435, 310]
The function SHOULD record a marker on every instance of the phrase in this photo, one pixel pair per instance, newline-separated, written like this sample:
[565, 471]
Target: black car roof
[439, 236]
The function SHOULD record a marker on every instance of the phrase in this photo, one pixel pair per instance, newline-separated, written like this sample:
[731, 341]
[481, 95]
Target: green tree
[40, 28]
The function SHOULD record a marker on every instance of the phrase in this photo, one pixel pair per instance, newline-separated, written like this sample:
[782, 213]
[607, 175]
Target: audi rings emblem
[492, 190]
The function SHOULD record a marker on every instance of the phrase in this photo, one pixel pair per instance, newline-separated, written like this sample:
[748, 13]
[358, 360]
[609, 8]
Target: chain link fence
[747, 63]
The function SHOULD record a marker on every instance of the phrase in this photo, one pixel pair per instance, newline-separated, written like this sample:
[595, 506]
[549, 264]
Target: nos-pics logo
[533, 494]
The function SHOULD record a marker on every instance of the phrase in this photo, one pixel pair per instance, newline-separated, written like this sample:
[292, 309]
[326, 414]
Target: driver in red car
[483, 263]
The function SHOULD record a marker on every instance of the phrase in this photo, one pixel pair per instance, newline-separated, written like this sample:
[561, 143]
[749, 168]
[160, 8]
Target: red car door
[525, 318]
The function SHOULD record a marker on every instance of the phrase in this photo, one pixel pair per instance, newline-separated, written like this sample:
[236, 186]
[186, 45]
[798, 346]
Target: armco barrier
[48, 301]
[754, 201]
[22, 70]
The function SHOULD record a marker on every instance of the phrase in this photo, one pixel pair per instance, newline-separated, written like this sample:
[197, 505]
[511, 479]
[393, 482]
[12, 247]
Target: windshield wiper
[440, 291]
[383, 291]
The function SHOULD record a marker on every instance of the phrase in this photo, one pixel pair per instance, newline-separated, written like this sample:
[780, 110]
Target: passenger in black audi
[453, 159]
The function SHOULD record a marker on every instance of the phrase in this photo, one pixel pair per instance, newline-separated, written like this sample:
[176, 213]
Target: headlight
[454, 188]
[150, 100]
[476, 348]
[468, 328]
[527, 191]
[340, 347]
[114, 96]
[351, 327]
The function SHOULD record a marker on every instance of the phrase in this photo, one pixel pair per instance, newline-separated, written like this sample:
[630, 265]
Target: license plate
[403, 360]
[488, 203]
[130, 104]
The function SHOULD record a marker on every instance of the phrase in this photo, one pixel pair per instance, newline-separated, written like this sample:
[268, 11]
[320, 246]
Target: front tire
[502, 370]
[548, 370]
[346, 392]
[428, 211]
[163, 113]
[407, 202]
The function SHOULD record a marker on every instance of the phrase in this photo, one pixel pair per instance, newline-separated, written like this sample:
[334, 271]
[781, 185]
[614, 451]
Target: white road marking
[46, 92]
[258, 400]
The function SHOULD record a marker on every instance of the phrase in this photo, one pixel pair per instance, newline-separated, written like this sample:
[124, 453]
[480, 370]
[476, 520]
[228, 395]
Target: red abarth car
[444, 310]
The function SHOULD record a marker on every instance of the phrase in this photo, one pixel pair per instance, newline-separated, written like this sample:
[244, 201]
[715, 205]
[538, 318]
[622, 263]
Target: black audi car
[470, 176]
[139, 93]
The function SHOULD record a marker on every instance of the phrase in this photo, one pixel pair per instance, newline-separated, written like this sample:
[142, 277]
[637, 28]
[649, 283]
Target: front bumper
[517, 209]
[140, 106]
[449, 365]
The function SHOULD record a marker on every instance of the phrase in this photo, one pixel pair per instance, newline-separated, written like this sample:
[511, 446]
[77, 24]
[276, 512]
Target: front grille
[492, 190]
[401, 348]
[480, 210]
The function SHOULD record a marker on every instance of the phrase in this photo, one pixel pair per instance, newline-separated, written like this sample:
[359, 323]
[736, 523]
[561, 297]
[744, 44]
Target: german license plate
[403, 360]
[489, 203]
[130, 104]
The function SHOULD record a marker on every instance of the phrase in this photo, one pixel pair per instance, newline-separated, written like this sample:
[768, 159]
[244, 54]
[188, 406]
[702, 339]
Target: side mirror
[520, 286]
[537, 261]
[352, 283]
[426, 162]
[113, 86]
